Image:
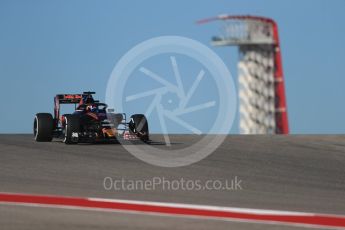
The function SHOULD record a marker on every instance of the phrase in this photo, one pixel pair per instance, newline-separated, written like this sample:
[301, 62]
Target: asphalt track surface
[292, 173]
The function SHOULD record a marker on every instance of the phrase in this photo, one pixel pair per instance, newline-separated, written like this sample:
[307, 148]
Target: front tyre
[139, 126]
[43, 127]
[72, 129]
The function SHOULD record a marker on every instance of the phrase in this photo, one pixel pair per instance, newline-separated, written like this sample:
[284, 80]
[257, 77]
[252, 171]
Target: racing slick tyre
[72, 128]
[43, 127]
[138, 125]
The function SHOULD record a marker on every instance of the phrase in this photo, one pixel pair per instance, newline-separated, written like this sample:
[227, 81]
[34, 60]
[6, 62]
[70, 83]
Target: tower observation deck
[263, 108]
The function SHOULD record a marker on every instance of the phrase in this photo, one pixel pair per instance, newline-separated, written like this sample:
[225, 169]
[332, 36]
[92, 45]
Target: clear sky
[49, 47]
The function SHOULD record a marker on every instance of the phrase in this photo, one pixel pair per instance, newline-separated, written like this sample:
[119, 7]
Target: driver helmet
[91, 108]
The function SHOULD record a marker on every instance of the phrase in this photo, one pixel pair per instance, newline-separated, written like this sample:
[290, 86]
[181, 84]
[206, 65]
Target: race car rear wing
[68, 98]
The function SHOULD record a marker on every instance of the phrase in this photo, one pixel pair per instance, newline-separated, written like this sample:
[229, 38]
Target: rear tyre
[43, 127]
[139, 126]
[72, 129]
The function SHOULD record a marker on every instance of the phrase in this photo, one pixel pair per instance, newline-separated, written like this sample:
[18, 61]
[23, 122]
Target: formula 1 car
[90, 122]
